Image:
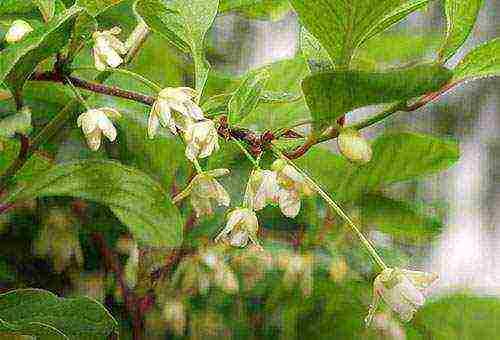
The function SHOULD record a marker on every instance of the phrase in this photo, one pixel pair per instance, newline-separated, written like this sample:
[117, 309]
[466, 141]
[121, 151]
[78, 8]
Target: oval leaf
[137, 200]
[481, 62]
[42, 314]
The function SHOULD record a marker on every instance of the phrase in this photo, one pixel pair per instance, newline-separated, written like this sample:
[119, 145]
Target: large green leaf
[401, 220]
[95, 7]
[461, 16]
[18, 61]
[330, 95]
[163, 20]
[460, 317]
[247, 96]
[42, 314]
[343, 25]
[396, 157]
[137, 200]
[481, 62]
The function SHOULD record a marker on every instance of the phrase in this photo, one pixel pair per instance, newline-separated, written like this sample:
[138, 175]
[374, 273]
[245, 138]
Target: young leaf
[197, 17]
[42, 314]
[342, 25]
[461, 16]
[401, 220]
[396, 157]
[162, 20]
[481, 62]
[18, 61]
[137, 200]
[330, 95]
[247, 97]
[95, 7]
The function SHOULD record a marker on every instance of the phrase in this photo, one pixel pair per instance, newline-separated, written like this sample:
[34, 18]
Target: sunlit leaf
[461, 16]
[95, 7]
[137, 200]
[481, 62]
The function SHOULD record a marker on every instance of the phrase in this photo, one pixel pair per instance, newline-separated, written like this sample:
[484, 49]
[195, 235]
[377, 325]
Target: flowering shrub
[133, 215]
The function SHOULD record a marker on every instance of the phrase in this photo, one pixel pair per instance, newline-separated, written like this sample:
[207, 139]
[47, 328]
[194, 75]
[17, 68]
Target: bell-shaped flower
[262, 189]
[354, 147]
[17, 31]
[96, 122]
[298, 271]
[203, 188]
[174, 108]
[108, 49]
[242, 226]
[402, 290]
[201, 139]
[293, 186]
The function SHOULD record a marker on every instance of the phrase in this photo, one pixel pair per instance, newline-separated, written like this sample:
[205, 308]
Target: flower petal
[289, 202]
[153, 125]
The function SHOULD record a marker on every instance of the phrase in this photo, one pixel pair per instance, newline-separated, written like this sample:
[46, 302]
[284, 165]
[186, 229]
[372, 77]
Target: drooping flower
[262, 189]
[174, 108]
[108, 49]
[95, 122]
[201, 139]
[292, 185]
[402, 290]
[18, 31]
[203, 188]
[242, 226]
[298, 270]
[354, 147]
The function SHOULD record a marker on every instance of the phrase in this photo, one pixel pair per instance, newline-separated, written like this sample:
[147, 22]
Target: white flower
[262, 189]
[354, 147]
[201, 139]
[174, 108]
[108, 49]
[298, 271]
[18, 31]
[292, 185]
[203, 188]
[96, 122]
[241, 227]
[402, 290]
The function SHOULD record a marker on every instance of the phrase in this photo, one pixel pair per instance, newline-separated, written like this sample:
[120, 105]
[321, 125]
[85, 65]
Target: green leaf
[247, 96]
[273, 10]
[17, 123]
[231, 5]
[316, 55]
[42, 314]
[460, 317]
[396, 157]
[401, 220]
[330, 95]
[137, 200]
[461, 16]
[95, 7]
[481, 62]
[16, 7]
[197, 17]
[18, 61]
[47, 8]
[342, 26]
[162, 20]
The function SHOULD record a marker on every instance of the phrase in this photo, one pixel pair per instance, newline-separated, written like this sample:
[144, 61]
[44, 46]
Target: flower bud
[354, 147]
[18, 31]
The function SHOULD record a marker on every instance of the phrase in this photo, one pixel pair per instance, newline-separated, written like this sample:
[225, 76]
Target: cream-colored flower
[262, 189]
[204, 188]
[292, 186]
[354, 147]
[201, 139]
[298, 270]
[108, 49]
[242, 226]
[17, 31]
[402, 290]
[95, 122]
[174, 314]
[174, 108]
